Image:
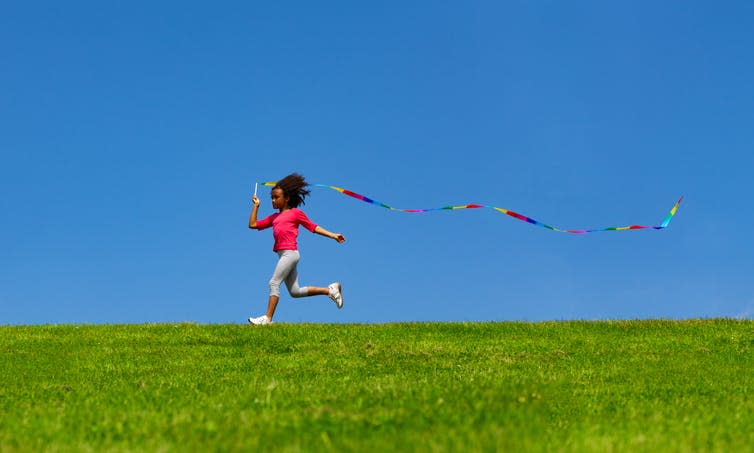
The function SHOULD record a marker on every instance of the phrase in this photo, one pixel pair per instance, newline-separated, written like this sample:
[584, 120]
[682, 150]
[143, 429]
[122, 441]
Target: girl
[287, 195]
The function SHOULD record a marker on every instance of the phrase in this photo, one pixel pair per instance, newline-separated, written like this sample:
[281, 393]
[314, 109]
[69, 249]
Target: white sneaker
[260, 321]
[336, 293]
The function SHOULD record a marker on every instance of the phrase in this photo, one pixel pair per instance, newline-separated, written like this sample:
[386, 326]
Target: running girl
[287, 195]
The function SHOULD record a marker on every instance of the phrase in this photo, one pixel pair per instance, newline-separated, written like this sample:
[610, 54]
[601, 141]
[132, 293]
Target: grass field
[556, 386]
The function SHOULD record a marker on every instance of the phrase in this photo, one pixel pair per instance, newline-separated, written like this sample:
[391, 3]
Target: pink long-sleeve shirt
[285, 227]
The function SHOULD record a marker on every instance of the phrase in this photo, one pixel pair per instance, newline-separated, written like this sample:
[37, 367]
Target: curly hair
[294, 186]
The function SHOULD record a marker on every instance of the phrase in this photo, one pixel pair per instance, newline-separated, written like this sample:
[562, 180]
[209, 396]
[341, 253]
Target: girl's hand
[339, 237]
[255, 200]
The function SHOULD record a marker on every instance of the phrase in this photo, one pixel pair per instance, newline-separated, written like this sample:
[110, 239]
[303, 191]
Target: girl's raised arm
[253, 217]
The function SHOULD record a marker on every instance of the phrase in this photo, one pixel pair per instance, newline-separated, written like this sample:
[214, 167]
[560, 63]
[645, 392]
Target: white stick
[255, 189]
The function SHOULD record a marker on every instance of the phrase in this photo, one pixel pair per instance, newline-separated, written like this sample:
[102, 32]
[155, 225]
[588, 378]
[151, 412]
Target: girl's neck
[287, 208]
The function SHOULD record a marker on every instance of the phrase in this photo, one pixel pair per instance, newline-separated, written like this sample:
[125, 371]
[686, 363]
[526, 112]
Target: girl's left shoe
[336, 293]
[260, 321]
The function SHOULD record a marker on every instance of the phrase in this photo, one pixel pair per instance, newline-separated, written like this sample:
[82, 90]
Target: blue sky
[132, 134]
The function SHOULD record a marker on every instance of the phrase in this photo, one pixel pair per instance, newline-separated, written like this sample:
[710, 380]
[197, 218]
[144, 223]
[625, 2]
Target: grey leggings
[286, 270]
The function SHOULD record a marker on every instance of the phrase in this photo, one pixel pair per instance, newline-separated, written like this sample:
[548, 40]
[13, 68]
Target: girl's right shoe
[260, 321]
[336, 293]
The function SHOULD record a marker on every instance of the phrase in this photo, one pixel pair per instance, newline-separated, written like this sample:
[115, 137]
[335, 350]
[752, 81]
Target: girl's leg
[286, 269]
[272, 304]
[286, 262]
[291, 281]
[317, 291]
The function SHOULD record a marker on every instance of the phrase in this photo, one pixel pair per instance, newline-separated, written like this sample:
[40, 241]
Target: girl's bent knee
[300, 292]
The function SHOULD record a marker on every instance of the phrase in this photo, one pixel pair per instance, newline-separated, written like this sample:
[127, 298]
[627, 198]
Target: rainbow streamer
[515, 215]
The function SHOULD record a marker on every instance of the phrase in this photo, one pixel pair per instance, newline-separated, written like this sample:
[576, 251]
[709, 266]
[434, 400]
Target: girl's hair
[293, 187]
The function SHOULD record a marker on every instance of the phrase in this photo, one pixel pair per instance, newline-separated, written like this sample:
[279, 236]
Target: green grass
[556, 386]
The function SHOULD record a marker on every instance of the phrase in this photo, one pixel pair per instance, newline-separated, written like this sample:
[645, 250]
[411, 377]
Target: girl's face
[279, 201]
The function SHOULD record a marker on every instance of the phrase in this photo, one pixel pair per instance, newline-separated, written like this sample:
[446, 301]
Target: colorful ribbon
[515, 215]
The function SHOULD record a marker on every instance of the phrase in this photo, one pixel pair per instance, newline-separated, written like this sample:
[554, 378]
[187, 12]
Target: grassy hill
[563, 386]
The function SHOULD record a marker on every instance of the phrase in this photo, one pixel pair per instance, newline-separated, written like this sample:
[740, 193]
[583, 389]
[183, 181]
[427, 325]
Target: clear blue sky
[132, 133]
